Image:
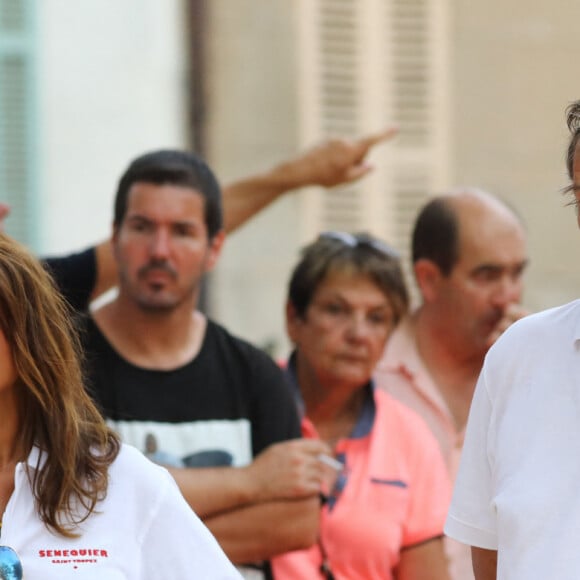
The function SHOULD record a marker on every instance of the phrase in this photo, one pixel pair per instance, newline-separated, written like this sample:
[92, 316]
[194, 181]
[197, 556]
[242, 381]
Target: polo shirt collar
[368, 411]
[402, 353]
[403, 357]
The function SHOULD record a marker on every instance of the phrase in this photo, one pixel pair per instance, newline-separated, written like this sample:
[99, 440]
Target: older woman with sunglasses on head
[74, 502]
[384, 508]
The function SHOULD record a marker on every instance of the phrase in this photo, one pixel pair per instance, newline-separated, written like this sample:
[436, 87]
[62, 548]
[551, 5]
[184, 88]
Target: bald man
[469, 255]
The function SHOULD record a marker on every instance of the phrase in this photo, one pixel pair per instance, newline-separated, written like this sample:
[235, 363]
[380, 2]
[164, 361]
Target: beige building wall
[252, 122]
[514, 72]
[285, 75]
[111, 79]
[495, 78]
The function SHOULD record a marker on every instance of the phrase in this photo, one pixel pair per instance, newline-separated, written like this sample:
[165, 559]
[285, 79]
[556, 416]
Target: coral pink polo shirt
[402, 374]
[392, 493]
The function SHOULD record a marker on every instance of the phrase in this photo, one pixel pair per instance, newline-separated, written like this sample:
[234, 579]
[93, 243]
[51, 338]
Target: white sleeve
[472, 515]
[177, 545]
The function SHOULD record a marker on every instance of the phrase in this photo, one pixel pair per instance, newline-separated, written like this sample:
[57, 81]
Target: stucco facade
[479, 89]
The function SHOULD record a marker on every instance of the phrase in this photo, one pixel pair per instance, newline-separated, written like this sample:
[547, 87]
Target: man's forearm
[261, 531]
[286, 470]
[425, 561]
[334, 162]
[246, 197]
[213, 490]
[484, 563]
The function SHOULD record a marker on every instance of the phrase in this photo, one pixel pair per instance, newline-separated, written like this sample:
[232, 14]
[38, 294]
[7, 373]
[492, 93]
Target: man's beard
[154, 300]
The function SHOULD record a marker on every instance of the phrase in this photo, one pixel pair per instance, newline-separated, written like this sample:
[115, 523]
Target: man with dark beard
[209, 406]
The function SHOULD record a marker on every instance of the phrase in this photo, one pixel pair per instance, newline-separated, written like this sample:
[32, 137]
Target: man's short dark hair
[173, 167]
[436, 235]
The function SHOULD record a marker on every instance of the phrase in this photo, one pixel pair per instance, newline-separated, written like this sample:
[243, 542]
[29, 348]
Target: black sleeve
[76, 276]
[275, 409]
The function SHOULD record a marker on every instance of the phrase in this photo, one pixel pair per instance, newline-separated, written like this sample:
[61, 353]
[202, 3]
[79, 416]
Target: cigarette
[330, 461]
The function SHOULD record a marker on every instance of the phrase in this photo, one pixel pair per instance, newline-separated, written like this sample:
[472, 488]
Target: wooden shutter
[420, 103]
[16, 106]
[367, 64]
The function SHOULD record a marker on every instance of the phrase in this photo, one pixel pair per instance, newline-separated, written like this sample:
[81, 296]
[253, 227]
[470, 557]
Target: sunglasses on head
[10, 564]
[352, 241]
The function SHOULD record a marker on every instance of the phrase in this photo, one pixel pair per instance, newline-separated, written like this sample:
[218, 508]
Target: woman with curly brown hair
[73, 500]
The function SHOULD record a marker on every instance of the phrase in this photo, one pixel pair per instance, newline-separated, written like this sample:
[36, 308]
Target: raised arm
[334, 162]
[331, 163]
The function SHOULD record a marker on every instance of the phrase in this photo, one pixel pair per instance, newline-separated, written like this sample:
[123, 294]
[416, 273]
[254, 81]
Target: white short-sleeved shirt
[518, 487]
[143, 530]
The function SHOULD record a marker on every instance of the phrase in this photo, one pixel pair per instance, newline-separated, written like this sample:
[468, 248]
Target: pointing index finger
[374, 139]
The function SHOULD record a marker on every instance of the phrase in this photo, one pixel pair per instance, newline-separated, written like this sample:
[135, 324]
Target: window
[16, 117]
[366, 64]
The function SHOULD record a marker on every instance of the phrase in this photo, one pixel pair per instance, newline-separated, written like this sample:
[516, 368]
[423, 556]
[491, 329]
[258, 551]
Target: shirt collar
[402, 358]
[401, 351]
[368, 411]
[36, 458]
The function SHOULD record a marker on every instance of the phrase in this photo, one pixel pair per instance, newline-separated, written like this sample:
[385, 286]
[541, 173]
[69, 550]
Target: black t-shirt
[222, 408]
[76, 276]
[231, 398]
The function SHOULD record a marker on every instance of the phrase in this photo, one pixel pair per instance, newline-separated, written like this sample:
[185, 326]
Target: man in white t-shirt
[516, 500]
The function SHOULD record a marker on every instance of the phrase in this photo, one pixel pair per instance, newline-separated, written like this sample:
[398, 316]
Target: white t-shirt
[143, 530]
[518, 487]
